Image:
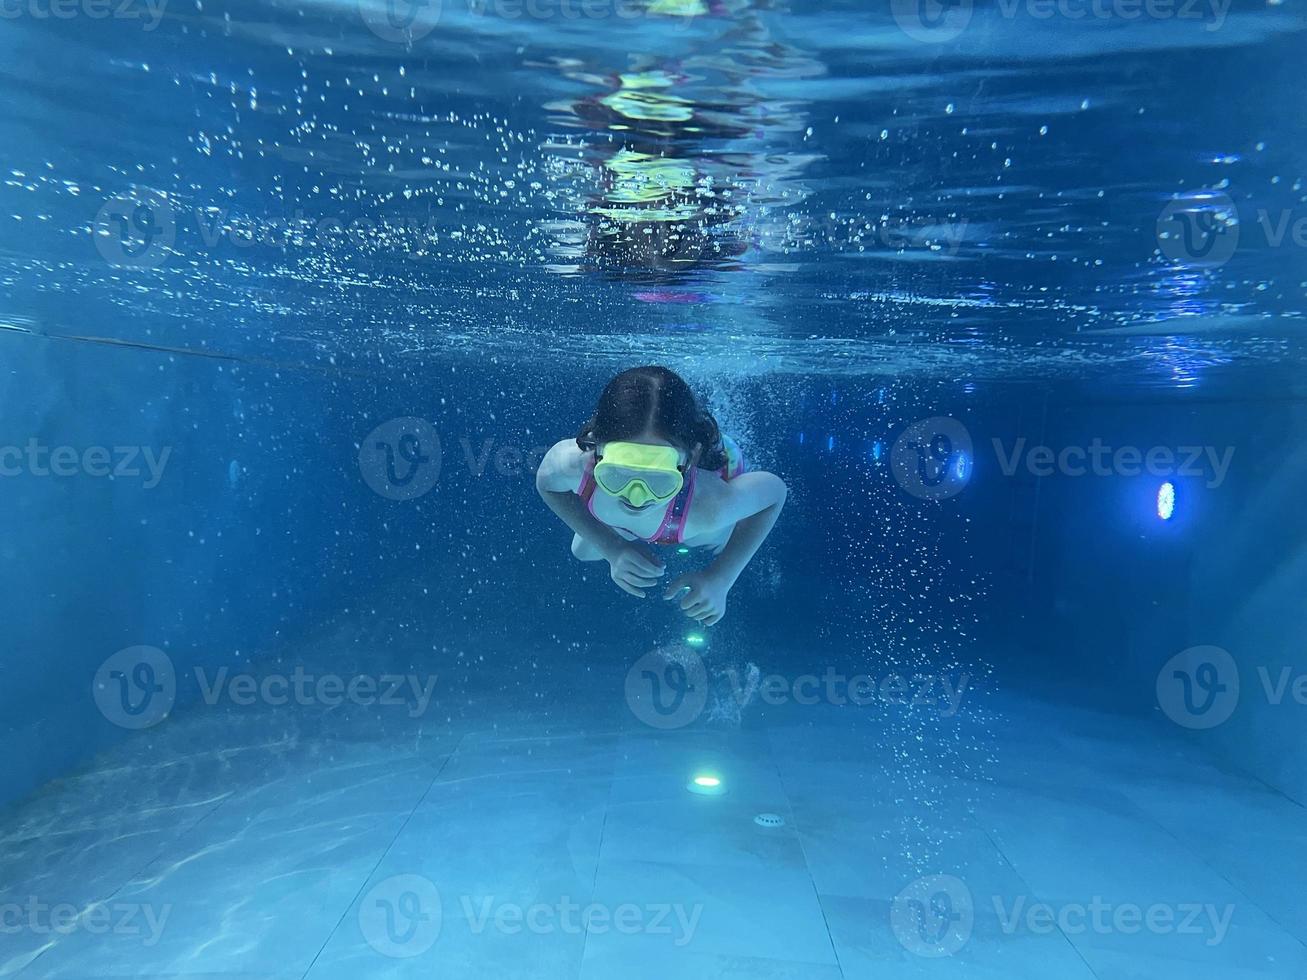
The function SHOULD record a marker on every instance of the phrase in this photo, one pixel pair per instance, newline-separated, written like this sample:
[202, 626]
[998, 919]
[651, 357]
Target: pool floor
[1036, 840]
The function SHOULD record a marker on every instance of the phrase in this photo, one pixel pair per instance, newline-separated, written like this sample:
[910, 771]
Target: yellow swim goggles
[637, 473]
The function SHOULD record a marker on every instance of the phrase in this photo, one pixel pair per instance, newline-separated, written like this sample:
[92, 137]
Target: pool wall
[1115, 591]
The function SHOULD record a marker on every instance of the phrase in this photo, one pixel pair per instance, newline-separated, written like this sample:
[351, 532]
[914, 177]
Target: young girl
[651, 467]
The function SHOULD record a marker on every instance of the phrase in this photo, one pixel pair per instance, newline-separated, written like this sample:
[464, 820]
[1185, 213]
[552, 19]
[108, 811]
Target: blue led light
[877, 450]
[1166, 501]
[962, 467]
[830, 443]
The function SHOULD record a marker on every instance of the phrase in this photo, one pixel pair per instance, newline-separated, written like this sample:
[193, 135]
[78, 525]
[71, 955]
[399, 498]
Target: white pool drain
[769, 820]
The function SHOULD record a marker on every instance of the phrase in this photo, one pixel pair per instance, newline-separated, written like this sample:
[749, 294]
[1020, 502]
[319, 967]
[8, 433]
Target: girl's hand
[705, 598]
[633, 568]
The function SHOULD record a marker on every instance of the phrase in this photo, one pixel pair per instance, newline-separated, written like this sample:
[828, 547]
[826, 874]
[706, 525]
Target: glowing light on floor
[706, 784]
[1166, 501]
[695, 639]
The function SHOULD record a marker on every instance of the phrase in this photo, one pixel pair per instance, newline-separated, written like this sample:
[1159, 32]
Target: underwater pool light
[962, 467]
[682, 550]
[706, 784]
[1166, 501]
[695, 639]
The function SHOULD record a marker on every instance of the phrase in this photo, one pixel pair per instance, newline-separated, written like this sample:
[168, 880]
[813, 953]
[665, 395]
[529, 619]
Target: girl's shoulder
[711, 495]
[719, 501]
[563, 466]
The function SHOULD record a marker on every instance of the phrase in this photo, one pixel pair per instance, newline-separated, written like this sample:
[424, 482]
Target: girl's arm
[556, 480]
[752, 502]
[753, 505]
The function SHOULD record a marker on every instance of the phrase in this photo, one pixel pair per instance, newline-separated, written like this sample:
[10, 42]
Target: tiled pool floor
[1043, 842]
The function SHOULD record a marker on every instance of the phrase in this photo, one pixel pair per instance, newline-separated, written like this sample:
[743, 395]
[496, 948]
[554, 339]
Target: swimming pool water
[301, 679]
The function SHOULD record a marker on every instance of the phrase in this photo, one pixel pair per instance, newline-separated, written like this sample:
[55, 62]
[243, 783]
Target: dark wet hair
[656, 400]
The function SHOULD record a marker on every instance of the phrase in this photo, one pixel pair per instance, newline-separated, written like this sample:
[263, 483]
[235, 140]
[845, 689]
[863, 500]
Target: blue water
[1010, 295]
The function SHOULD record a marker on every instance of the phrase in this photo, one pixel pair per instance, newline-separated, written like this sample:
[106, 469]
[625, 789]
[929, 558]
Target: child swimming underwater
[652, 468]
